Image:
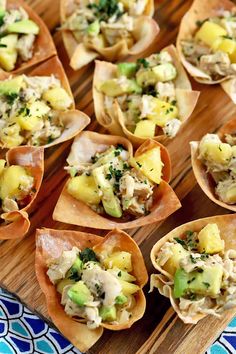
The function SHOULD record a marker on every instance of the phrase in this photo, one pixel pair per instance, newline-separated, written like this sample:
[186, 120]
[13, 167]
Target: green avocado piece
[75, 270]
[108, 313]
[79, 293]
[121, 299]
[113, 87]
[2, 13]
[165, 72]
[110, 202]
[180, 283]
[127, 69]
[94, 28]
[24, 26]
[11, 86]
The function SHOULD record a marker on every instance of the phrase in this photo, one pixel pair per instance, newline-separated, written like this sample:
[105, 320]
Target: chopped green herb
[143, 62]
[139, 164]
[207, 285]
[11, 97]
[191, 280]
[119, 274]
[3, 45]
[88, 255]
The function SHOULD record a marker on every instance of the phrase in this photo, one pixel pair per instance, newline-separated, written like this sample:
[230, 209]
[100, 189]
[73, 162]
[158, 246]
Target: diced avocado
[146, 77]
[75, 270]
[24, 26]
[180, 283]
[63, 283]
[173, 262]
[11, 86]
[79, 293]
[84, 189]
[121, 299]
[2, 13]
[127, 69]
[145, 129]
[8, 52]
[2, 165]
[108, 313]
[57, 98]
[110, 202]
[114, 88]
[165, 72]
[134, 87]
[210, 240]
[208, 282]
[94, 28]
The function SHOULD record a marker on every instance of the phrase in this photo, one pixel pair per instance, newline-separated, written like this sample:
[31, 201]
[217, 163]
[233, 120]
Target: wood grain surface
[160, 331]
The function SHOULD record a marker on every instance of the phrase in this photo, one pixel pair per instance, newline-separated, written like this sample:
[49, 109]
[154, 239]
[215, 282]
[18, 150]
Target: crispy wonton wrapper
[44, 47]
[199, 11]
[72, 211]
[50, 244]
[227, 227]
[204, 180]
[114, 122]
[145, 32]
[17, 222]
[74, 121]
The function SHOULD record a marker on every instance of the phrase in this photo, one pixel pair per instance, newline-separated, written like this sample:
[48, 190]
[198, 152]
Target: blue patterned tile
[226, 342]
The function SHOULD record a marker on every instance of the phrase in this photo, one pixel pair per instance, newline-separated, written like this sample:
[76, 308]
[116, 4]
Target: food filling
[16, 187]
[146, 94]
[97, 287]
[204, 274]
[17, 37]
[212, 49]
[220, 159]
[30, 110]
[104, 23]
[112, 183]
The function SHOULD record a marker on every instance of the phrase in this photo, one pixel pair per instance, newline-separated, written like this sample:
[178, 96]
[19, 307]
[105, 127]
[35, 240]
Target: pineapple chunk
[128, 288]
[58, 98]
[31, 120]
[173, 262]
[145, 129]
[161, 112]
[2, 165]
[230, 195]
[209, 32]
[121, 274]
[208, 282]
[85, 189]
[13, 180]
[226, 45]
[121, 260]
[63, 283]
[219, 153]
[150, 164]
[8, 54]
[209, 239]
[10, 136]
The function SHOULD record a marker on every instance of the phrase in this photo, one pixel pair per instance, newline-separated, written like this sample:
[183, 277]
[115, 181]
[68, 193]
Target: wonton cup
[73, 211]
[199, 11]
[205, 181]
[115, 124]
[227, 227]
[50, 244]
[145, 32]
[74, 121]
[44, 47]
[17, 222]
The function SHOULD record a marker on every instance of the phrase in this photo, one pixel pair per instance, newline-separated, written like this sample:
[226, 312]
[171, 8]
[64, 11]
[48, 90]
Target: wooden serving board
[160, 331]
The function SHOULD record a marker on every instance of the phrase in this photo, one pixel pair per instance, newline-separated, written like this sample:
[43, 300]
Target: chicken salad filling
[203, 274]
[17, 36]
[146, 94]
[212, 49]
[116, 184]
[30, 110]
[96, 287]
[103, 23]
[220, 160]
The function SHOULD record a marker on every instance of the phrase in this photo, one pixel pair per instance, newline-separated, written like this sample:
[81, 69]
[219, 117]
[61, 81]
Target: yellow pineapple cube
[128, 288]
[210, 240]
[226, 45]
[31, 118]
[150, 164]
[162, 112]
[121, 260]
[85, 189]
[209, 32]
[145, 129]
[8, 52]
[173, 262]
[10, 136]
[57, 98]
[12, 180]
[2, 165]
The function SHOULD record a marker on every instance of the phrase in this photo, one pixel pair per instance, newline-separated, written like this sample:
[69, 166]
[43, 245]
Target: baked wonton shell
[200, 170]
[17, 221]
[44, 47]
[74, 121]
[199, 11]
[145, 32]
[227, 227]
[50, 244]
[72, 211]
[114, 122]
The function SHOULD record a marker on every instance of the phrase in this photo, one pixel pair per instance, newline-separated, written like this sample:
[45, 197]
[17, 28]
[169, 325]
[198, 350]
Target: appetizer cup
[92, 44]
[34, 122]
[203, 241]
[15, 223]
[74, 206]
[209, 181]
[50, 245]
[111, 109]
[43, 46]
[213, 39]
